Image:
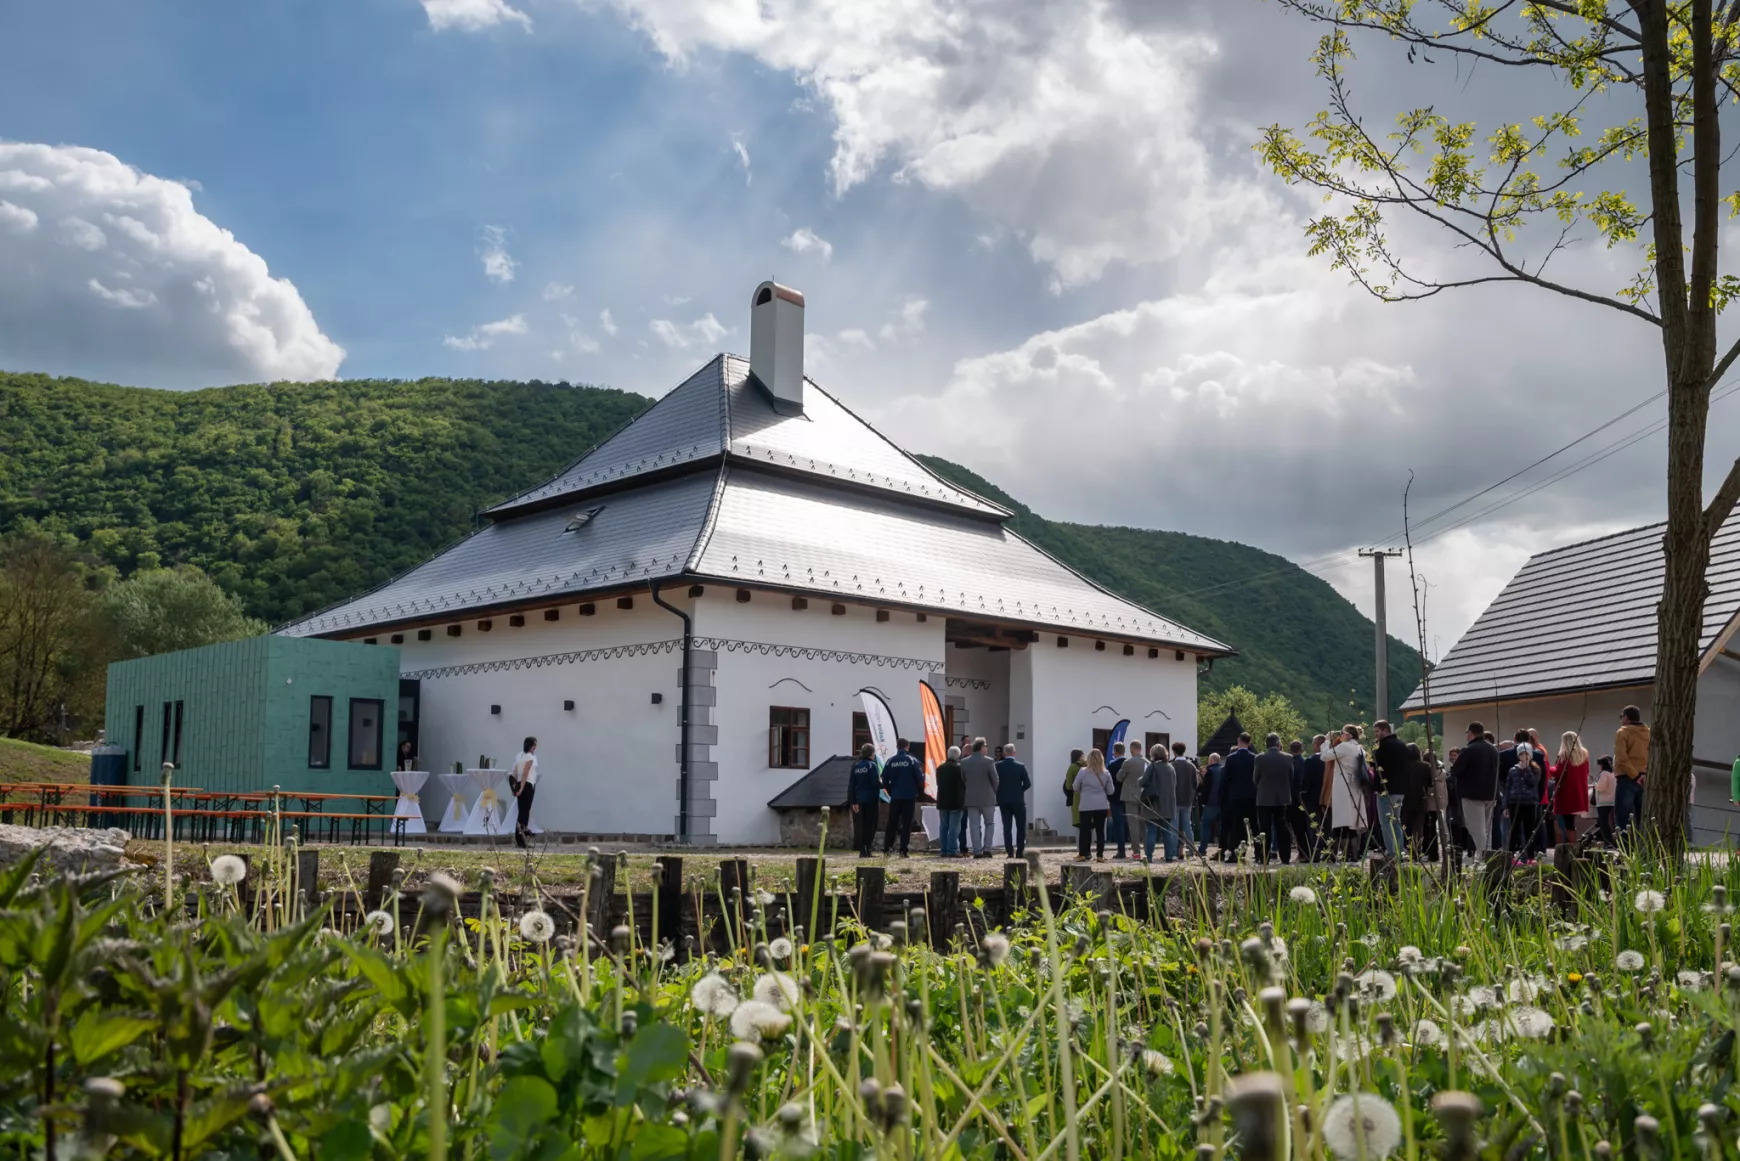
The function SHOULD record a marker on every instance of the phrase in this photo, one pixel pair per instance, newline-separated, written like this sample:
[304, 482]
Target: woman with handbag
[1093, 795]
[524, 783]
[1346, 782]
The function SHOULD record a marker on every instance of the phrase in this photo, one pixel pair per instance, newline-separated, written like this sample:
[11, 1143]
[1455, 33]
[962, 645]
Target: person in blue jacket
[1013, 782]
[864, 792]
[903, 778]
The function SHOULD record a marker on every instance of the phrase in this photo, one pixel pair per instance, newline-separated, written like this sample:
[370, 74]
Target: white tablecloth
[453, 818]
[489, 812]
[409, 808]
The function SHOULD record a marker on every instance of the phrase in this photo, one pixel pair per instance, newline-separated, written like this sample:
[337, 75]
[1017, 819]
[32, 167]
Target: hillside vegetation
[1295, 634]
[294, 496]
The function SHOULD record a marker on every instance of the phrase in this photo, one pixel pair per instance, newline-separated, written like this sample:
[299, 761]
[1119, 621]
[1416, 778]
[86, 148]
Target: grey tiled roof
[1580, 617]
[637, 535]
[720, 410]
[801, 534]
[828, 784]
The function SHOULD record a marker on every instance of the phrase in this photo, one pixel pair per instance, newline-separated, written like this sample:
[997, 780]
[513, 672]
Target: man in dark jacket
[903, 778]
[864, 791]
[980, 775]
[1476, 777]
[1274, 778]
[951, 804]
[1238, 798]
[1012, 786]
[1391, 763]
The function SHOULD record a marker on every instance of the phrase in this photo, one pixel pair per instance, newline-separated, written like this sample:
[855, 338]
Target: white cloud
[578, 339]
[498, 264]
[605, 321]
[704, 332]
[483, 337]
[855, 337]
[17, 219]
[106, 271]
[472, 15]
[742, 152]
[556, 290]
[1063, 123]
[805, 241]
[908, 318]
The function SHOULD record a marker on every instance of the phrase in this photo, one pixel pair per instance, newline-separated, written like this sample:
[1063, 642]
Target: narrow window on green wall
[176, 751]
[319, 732]
[163, 738]
[365, 733]
[138, 735]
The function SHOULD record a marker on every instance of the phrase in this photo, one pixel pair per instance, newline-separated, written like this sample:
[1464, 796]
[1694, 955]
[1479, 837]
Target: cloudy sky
[1034, 239]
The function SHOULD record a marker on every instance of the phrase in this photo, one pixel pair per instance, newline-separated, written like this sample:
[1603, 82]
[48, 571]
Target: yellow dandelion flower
[1575, 977]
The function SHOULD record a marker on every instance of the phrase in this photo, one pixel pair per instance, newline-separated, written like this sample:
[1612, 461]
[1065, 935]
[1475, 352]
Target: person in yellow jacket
[1630, 767]
[1076, 759]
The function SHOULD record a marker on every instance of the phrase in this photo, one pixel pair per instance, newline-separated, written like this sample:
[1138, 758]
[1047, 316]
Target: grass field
[29, 762]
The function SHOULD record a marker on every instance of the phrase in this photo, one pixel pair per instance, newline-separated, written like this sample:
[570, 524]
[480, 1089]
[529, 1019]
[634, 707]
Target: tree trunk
[1680, 623]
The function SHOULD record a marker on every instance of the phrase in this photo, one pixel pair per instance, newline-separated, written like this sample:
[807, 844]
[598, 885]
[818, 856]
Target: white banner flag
[882, 730]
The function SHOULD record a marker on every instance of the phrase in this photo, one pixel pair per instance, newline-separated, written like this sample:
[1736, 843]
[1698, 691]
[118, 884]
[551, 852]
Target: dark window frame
[350, 740]
[860, 732]
[325, 762]
[788, 741]
[1156, 738]
[175, 749]
[163, 741]
[138, 735]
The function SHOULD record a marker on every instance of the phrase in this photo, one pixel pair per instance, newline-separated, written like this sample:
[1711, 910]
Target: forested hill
[294, 496]
[1295, 634]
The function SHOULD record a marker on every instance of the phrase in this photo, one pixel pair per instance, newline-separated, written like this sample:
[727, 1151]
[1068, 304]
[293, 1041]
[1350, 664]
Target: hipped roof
[858, 520]
[1578, 618]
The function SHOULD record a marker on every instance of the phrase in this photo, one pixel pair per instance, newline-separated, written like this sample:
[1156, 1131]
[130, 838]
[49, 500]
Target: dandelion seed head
[228, 870]
[1317, 1018]
[996, 947]
[537, 926]
[1361, 1125]
[1522, 990]
[1156, 1063]
[776, 989]
[1428, 1034]
[780, 949]
[755, 1020]
[1376, 985]
[714, 995]
[764, 898]
[1690, 981]
[1408, 954]
[1648, 902]
[379, 922]
[1573, 942]
[1529, 1023]
[1304, 896]
[1629, 961]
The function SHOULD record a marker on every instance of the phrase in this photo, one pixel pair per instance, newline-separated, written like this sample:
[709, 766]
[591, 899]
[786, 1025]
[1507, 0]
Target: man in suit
[1012, 786]
[1127, 807]
[1391, 764]
[1476, 777]
[864, 792]
[1238, 798]
[1311, 801]
[903, 778]
[980, 775]
[1274, 777]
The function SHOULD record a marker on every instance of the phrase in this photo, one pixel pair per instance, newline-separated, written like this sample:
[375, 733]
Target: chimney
[776, 345]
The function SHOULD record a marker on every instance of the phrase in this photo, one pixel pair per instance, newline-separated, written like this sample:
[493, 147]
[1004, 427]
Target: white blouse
[530, 762]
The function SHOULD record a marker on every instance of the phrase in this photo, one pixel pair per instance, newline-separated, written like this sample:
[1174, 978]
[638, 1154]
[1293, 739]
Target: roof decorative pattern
[720, 410]
[642, 534]
[797, 534]
[1581, 616]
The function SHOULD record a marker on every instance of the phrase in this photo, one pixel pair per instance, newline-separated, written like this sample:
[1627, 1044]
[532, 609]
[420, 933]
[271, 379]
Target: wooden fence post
[598, 900]
[670, 889]
[872, 889]
[810, 914]
[734, 885]
[1014, 889]
[382, 864]
[943, 907]
[308, 877]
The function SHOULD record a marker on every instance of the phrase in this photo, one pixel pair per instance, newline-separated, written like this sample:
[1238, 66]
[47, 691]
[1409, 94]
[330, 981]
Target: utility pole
[1378, 556]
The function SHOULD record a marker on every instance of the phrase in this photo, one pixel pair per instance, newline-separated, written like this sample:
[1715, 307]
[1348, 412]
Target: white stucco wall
[1068, 689]
[606, 767]
[1717, 739]
[749, 680]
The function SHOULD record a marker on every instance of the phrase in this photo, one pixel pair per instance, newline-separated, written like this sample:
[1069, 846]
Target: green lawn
[29, 762]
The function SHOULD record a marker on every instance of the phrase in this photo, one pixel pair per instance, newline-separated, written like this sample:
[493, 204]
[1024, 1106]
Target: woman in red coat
[1570, 785]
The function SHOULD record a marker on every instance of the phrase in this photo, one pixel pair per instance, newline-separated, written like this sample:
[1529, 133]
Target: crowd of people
[1340, 801]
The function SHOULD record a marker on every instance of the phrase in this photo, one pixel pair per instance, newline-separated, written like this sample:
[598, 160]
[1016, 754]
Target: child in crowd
[1605, 785]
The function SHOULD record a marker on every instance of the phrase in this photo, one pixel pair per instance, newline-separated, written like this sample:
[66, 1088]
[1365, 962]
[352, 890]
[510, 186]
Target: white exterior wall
[1594, 715]
[749, 680]
[1716, 738]
[606, 767]
[1059, 699]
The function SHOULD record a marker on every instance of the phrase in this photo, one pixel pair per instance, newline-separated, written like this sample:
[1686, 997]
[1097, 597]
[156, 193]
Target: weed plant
[1349, 1018]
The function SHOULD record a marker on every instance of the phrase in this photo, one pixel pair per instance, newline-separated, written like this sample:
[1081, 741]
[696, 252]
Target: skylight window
[581, 519]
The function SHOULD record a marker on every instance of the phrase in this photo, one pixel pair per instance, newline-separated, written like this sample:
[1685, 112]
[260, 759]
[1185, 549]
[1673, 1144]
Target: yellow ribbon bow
[488, 800]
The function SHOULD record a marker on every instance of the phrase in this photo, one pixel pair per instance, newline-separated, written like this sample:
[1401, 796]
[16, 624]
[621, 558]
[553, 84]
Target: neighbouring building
[684, 617]
[1571, 641]
[301, 714]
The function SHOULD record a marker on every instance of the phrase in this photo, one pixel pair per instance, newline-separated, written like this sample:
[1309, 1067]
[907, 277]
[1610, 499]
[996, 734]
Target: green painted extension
[253, 715]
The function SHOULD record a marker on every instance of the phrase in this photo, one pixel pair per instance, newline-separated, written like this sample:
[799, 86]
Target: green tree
[1260, 716]
[173, 608]
[53, 642]
[1507, 198]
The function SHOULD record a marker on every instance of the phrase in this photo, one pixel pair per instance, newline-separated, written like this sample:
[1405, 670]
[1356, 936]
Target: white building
[750, 529]
[1571, 641]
